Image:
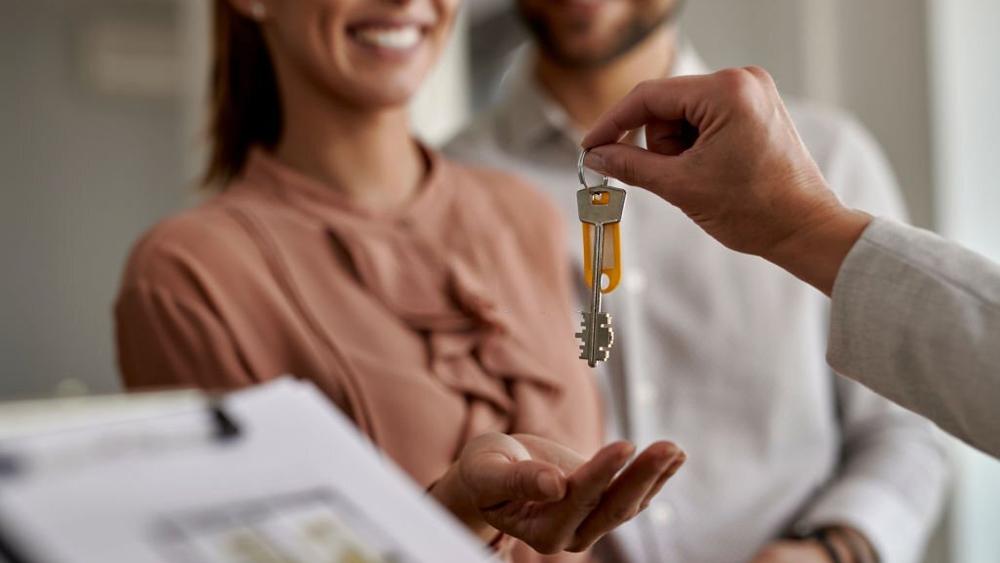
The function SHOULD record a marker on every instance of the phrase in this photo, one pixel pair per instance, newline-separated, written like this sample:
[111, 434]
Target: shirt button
[661, 513]
[646, 392]
[635, 281]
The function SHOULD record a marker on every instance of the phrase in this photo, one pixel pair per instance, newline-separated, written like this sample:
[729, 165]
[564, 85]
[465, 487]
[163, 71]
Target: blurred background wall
[101, 111]
[91, 152]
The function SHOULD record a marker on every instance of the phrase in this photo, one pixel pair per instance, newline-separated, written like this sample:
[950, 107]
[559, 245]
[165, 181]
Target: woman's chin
[385, 94]
[387, 86]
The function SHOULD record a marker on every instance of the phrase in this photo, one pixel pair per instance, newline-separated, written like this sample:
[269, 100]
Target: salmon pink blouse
[427, 325]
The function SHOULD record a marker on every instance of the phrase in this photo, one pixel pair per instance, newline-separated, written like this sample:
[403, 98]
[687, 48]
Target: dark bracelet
[859, 550]
[823, 536]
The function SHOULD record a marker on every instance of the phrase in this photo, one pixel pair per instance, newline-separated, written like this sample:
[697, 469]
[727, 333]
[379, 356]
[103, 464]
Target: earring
[258, 10]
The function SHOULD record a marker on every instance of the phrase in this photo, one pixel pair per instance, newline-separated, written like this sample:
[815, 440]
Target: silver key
[598, 206]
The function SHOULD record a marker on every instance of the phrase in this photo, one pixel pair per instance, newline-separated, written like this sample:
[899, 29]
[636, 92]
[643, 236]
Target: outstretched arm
[915, 317]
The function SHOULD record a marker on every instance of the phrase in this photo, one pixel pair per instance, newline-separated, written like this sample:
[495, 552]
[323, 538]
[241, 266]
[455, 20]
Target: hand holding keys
[600, 209]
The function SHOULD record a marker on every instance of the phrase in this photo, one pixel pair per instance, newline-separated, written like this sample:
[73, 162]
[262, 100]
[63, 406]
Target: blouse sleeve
[165, 341]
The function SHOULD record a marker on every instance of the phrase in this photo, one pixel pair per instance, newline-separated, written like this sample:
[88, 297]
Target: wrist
[853, 544]
[451, 492]
[815, 251]
[840, 544]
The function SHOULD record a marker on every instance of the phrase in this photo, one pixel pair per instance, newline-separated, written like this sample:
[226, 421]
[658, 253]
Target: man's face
[589, 33]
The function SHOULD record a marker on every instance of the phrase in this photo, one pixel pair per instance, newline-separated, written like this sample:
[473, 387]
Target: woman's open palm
[554, 499]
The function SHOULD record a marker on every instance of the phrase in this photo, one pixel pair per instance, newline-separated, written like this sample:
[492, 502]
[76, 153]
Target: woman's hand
[549, 496]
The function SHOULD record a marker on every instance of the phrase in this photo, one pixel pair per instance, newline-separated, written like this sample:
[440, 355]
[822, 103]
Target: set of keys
[600, 209]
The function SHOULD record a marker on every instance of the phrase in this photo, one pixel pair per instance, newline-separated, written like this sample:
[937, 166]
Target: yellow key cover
[612, 264]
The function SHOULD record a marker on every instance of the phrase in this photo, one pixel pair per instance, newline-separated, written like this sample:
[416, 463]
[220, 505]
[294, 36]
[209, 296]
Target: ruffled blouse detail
[473, 345]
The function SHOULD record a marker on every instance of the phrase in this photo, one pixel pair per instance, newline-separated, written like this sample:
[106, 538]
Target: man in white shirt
[721, 352]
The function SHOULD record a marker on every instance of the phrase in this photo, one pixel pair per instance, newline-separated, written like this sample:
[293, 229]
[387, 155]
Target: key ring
[579, 171]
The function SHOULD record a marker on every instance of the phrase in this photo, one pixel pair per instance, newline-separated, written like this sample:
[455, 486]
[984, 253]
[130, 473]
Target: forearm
[915, 318]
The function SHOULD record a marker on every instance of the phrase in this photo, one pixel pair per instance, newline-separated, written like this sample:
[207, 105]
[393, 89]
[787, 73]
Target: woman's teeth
[404, 37]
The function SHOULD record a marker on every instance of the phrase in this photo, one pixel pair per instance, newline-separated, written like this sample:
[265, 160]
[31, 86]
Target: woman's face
[370, 53]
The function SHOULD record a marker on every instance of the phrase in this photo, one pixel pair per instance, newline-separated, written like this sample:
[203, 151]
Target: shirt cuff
[885, 520]
[852, 324]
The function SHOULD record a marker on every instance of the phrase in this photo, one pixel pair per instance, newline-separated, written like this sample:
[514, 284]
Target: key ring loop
[580, 167]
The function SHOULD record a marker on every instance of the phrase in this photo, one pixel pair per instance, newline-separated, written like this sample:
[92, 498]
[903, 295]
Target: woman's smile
[392, 37]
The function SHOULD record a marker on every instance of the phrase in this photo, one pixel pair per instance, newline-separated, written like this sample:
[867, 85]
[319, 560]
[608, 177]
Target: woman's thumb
[497, 480]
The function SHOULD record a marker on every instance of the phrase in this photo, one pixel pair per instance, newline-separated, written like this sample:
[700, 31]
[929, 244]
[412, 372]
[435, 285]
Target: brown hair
[245, 103]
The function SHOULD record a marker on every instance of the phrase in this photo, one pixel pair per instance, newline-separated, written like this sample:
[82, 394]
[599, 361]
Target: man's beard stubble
[637, 31]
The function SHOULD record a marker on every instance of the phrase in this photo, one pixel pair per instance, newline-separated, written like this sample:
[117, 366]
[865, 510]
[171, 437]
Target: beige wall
[869, 58]
[82, 172]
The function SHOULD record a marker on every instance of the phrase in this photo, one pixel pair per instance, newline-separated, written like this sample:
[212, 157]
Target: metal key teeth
[605, 337]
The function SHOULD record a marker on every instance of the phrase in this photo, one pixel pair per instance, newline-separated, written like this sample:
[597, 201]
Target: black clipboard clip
[225, 428]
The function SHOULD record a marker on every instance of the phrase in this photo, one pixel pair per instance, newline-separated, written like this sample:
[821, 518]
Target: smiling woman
[342, 251]
[362, 55]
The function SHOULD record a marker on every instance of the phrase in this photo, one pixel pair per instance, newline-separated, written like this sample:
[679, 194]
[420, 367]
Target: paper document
[290, 481]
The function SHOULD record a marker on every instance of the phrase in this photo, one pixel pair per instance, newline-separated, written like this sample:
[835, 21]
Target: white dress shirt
[917, 319]
[724, 354]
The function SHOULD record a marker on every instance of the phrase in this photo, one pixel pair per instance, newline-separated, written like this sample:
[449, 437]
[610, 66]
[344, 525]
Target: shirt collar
[528, 116]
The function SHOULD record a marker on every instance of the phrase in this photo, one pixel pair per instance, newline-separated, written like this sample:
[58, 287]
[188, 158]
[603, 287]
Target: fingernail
[548, 484]
[594, 161]
[675, 465]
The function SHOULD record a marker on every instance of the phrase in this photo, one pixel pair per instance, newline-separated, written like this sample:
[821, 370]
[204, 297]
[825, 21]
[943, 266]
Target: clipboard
[270, 474]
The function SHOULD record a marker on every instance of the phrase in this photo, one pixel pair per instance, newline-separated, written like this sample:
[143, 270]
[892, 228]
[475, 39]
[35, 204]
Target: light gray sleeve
[893, 472]
[917, 319]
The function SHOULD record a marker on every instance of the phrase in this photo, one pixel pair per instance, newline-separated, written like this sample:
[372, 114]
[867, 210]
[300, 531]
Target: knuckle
[760, 73]
[585, 504]
[731, 77]
[739, 84]
[622, 514]
[645, 88]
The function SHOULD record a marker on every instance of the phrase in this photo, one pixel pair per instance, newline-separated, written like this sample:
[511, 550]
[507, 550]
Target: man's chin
[595, 55]
[577, 58]
[585, 53]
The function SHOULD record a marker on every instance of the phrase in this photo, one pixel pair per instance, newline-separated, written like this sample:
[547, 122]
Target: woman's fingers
[553, 526]
[523, 490]
[588, 483]
[493, 478]
[559, 455]
[623, 499]
[670, 472]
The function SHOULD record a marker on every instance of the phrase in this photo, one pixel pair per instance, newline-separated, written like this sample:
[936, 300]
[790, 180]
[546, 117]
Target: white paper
[297, 485]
